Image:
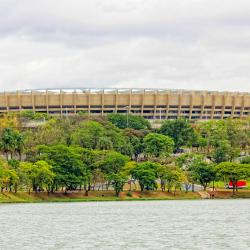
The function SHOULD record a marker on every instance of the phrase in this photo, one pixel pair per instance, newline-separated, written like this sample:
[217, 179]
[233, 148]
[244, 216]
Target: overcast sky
[187, 44]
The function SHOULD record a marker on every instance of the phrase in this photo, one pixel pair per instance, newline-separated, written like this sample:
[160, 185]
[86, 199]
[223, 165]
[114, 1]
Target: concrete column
[242, 106]
[233, 105]
[47, 100]
[74, 100]
[32, 100]
[179, 105]
[102, 101]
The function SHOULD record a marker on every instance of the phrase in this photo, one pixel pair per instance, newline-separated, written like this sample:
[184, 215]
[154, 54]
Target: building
[150, 103]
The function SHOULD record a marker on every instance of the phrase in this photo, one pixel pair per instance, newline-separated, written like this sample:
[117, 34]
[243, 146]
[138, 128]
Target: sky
[173, 44]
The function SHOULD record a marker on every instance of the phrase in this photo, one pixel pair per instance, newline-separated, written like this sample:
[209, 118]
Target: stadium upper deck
[150, 103]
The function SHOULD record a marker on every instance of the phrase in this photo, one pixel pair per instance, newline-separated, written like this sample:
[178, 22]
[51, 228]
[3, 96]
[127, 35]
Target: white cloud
[188, 44]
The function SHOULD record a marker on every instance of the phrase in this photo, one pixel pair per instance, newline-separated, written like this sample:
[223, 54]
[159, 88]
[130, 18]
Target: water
[205, 224]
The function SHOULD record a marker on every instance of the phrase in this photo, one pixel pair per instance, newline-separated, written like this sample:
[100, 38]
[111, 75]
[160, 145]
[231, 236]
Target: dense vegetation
[82, 153]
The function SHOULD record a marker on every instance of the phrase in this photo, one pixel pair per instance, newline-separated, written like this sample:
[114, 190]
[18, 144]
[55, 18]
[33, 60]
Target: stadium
[156, 104]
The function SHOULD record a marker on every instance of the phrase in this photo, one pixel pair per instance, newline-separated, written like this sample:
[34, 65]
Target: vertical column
[213, 105]
[167, 104]
[142, 102]
[116, 100]
[129, 103]
[19, 100]
[179, 104]
[233, 105]
[191, 105]
[203, 104]
[32, 100]
[89, 100]
[155, 103]
[47, 100]
[102, 101]
[242, 105]
[74, 100]
[7, 102]
[61, 102]
[223, 105]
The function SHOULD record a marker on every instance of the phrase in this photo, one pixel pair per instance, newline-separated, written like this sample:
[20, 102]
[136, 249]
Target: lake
[198, 224]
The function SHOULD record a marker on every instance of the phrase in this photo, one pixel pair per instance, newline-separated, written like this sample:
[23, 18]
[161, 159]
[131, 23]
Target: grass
[23, 197]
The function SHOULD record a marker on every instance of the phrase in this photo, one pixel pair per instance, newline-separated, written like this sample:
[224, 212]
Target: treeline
[82, 153]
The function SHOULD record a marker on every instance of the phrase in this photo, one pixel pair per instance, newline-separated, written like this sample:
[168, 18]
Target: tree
[145, 173]
[224, 152]
[174, 180]
[7, 141]
[135, 138]
[158, 145]
[11, 141]
[233, 172]
[163, 172]
[203, 173]
[112, 162]
[4, 175]
[88, 134]
[180, 130]
[66, 163]
[187, 163]
[117, 181]
[42, 176]
[129, 121]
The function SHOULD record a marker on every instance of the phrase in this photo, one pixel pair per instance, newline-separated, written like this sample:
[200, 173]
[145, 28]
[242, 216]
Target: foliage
[129, 121]
[233, 171]
[180, 130]
[157, 145]
[145, 173]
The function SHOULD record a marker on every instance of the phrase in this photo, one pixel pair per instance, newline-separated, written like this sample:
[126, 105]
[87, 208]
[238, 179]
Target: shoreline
[103, 196]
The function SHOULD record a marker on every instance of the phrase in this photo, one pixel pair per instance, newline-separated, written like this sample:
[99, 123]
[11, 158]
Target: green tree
[180, 130]
[117, 181]
[129, 121]
[203, 173]
[158, 145]
[233, 172]
[67, 165]
[145, 173]
[112, 162]
[42, 176]
[10, 142]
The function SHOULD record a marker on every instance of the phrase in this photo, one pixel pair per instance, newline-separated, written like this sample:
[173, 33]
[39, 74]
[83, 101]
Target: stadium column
[74, 100]
[191, 105]
[19, 100]
[223, 106]
[32, 100]
[155, 103]
[242, 105]
[233, 105]
[167, 104]
[213, 106]
[61, 102]
[203, 104]
[179, 104]
[102, 101]
[6, 102]
[89, 100]
[116, 100]
[142, 102]
[47, 100]
[129, 102]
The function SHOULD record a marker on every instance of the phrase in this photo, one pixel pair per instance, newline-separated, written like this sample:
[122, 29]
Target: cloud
[187, 44]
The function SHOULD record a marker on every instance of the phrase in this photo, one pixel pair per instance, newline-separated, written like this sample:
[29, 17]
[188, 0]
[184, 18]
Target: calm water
[208, 224]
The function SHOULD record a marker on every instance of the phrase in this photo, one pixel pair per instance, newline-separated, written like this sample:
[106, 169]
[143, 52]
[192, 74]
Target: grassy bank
[18, 197]
[23, 197]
